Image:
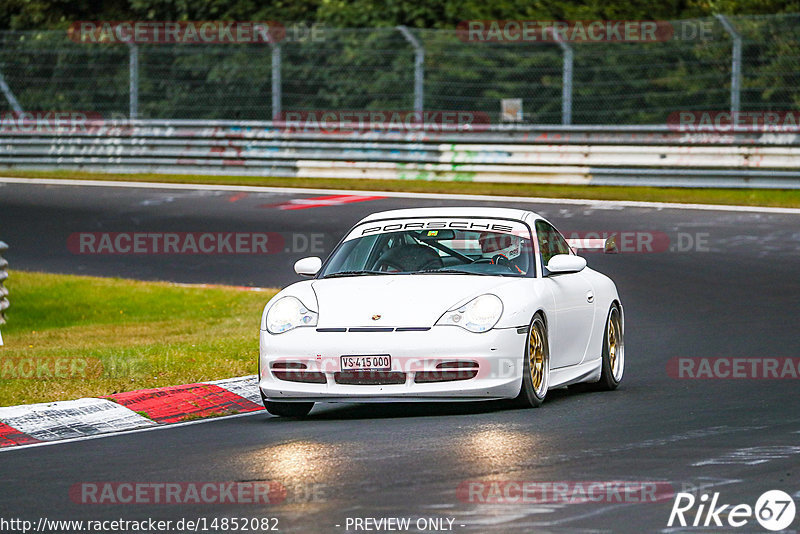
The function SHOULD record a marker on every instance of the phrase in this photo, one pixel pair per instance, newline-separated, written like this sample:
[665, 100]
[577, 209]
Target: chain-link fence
[701, 67]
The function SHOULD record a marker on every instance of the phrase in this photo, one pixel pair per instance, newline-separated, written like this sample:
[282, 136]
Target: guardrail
[3, 289]
[596, 155]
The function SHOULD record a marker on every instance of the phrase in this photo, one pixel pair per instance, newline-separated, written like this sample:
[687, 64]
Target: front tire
[613, 351]
[536, 368]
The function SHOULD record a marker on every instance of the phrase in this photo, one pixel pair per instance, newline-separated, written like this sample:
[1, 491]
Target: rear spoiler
[608, 246]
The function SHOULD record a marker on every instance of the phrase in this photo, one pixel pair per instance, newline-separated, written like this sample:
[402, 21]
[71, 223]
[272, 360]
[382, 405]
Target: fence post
[3, 289]
[736, 62]
[419, 69]
[133, 81]
[9, 94]
[566, 82]
[276, 81]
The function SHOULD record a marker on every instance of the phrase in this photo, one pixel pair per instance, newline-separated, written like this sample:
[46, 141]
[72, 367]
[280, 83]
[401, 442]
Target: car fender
[605, 294]
[522, 299]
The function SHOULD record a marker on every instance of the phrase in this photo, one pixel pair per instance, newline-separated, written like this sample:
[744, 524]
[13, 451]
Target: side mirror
[308, 266]
[566, 263]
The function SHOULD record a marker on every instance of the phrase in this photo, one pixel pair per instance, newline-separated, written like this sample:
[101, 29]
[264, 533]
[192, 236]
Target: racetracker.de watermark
[48, 121]
[734, 368]
[176, 32]
[307, 368]
[563, 492]
[50, 367]
[177, 493]
[351, 121]
[638, 241]
[582, 31]
[204, 243]
[738, 121]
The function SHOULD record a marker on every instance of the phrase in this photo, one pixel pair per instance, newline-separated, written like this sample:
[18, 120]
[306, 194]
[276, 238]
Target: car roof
[459, 211]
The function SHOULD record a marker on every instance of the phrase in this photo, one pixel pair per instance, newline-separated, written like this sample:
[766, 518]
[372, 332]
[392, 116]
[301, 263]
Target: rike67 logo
[774, 510]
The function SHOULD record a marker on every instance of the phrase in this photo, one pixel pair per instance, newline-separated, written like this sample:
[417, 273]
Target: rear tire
[536, 367]
[613, 351]
[287, 409]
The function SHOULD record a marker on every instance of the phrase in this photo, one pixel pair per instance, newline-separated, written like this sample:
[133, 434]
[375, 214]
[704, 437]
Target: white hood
[400, 300]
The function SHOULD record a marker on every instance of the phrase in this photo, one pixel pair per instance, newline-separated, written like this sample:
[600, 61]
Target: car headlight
[478, 315]
[289, 313]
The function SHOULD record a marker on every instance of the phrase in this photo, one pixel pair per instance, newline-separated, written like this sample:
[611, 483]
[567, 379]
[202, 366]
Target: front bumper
[499, 354]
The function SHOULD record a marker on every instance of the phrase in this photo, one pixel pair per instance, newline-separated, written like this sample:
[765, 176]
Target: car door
[574, 301]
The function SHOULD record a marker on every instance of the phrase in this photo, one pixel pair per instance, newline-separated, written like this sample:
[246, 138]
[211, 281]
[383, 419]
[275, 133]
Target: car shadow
[391, 410]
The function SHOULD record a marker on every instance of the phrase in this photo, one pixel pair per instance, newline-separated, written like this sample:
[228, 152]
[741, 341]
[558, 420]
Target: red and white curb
[54, 421]
[321, 202]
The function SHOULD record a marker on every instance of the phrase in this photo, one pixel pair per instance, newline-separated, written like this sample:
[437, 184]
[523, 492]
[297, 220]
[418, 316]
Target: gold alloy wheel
[612, 345]
[616, 345]
[536, 357]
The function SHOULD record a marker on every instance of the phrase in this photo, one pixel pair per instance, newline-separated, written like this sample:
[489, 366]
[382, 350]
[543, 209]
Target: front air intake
[296, 372]
[370, 378]
[448, 372]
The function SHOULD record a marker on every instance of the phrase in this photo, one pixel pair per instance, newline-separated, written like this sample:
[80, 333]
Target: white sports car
[441, 304]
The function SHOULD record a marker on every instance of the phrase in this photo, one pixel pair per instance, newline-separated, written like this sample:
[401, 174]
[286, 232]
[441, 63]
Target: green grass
[110, 335]
[788, 198]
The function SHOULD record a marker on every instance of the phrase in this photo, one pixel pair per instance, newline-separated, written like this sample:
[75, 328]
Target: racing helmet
[493, 243]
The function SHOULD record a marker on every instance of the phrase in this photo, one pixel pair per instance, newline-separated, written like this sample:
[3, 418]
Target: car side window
[551, 242]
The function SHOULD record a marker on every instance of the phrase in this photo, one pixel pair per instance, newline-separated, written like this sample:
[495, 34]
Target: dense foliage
[350, 67]
[53, 14]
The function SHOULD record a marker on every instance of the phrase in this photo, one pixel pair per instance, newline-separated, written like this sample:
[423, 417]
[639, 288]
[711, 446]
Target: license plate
[367, 363]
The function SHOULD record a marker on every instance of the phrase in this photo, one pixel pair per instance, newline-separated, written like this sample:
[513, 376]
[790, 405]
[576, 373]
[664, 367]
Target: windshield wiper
[450, 271]
[354, 273]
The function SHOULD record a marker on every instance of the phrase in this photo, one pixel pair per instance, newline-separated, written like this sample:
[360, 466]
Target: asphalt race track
[723, 284]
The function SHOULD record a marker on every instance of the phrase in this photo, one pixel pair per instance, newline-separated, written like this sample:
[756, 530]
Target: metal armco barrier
[3, 290]
[592, 155]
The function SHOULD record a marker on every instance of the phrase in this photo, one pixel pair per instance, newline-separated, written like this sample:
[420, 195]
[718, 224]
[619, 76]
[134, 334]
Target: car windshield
[434, 246]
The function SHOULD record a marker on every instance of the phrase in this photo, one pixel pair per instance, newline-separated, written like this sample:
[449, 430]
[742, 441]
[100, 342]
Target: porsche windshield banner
[430, 225]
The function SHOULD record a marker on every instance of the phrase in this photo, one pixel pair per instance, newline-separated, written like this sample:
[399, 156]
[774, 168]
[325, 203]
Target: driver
[502, 249]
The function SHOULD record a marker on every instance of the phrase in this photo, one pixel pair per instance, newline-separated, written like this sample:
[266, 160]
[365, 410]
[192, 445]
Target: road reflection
[494, 449]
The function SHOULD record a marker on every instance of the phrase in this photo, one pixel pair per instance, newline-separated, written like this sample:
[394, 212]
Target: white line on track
[126, 432]
[396, 194]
